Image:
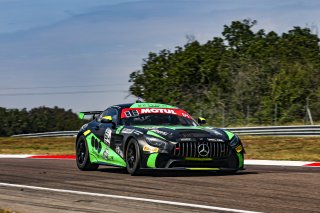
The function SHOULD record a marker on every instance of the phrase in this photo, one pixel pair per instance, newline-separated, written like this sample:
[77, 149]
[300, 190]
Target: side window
[110, 112]
[101, 115]
[114, 114]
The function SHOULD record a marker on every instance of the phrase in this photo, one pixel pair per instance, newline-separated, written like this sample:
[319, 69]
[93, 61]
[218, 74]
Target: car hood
[176, 133]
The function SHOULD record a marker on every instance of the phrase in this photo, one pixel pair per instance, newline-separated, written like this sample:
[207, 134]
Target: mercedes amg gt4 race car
[155, 136]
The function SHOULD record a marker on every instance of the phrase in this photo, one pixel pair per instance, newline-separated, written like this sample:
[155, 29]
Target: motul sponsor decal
[134, 112]
[152, 110]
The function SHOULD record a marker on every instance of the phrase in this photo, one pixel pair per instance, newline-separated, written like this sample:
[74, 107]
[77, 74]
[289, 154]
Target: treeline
[244, 77]
[41, 119]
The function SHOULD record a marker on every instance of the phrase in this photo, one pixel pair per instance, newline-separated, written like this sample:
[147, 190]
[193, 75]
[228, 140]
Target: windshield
[156, 117]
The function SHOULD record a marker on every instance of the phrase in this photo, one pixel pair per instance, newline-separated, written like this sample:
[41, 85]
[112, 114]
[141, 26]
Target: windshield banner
[134, 112]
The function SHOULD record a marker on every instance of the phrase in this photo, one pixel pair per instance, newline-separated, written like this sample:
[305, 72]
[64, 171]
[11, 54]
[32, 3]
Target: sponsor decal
[106, 153]
[107, 136]
[134, 112]
[152, 149]
[149, 127]
[150, 105]
[118, 150]
[127, 131]
[157, 111]
[215, 140]
[137, 132]
[186, 139]
[160, 132]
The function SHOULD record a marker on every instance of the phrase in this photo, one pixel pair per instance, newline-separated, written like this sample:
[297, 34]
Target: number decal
[135, 113]
[107, 136]
[128, 114]
[132, 113]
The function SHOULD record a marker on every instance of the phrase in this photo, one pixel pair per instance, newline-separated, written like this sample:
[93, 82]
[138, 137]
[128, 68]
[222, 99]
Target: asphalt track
[258, 189]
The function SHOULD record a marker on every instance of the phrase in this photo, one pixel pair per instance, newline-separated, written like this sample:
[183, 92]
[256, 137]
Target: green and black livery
[155, 136]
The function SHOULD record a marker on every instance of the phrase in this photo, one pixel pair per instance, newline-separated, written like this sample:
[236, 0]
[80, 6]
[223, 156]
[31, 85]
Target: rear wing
[81, 115]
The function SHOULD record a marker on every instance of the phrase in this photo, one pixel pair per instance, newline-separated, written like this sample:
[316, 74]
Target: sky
[78, 54]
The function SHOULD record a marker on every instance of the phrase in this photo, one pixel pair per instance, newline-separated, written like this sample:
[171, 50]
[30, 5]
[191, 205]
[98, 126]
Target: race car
[140, 136]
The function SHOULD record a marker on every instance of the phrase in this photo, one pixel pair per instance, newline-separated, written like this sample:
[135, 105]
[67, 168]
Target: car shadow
[174, 173]
[164, 173]
[115, 170]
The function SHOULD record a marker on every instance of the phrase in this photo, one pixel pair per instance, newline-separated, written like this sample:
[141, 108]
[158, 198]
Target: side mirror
[106, 119]
[201, 121]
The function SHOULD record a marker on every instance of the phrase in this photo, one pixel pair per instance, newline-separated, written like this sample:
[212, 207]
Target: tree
[245, 76]
[41, 119]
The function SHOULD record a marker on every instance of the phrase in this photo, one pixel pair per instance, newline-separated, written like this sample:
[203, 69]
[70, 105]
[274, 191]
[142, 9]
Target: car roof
[122, 105]
[143, 105]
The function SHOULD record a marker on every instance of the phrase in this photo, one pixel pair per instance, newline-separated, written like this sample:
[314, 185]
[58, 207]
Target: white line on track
[14, 156]
[276, 162]
[127, 198]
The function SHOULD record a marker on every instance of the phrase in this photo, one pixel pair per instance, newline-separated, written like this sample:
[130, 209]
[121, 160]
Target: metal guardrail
[311, 130]
[301, 130]
[49, 134]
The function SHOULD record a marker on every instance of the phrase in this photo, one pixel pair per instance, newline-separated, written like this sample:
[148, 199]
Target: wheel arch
[78, 135]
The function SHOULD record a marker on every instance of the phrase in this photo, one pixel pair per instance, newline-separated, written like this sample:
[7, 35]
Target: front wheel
[133, 157]
[83, 157]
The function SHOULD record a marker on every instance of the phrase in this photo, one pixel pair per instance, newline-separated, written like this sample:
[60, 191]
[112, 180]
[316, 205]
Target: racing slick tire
[233, 162]
[83, 157]
[133, 157]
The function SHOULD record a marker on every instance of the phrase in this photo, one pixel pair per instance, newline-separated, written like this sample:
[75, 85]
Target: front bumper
[165, 161]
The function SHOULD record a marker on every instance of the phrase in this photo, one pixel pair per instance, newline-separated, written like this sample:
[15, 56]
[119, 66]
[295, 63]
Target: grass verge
[7, 211]
[282, 148]
[257, 147]
[43, 146]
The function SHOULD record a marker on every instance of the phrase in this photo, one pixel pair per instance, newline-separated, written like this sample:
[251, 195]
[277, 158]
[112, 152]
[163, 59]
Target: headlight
[234, 141]
[156, 142]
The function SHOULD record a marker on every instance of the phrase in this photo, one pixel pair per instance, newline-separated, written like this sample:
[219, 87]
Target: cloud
[94, 43]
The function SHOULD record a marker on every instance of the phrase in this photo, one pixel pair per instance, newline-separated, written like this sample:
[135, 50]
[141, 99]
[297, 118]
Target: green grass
[282, 148]
[7, 211]
[45, 145]
[257, 147]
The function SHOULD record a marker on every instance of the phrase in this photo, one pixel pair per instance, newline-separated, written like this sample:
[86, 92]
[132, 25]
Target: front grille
[191, 149]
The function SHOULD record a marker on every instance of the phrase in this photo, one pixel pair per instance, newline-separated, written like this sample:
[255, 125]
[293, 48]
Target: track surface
[258, 188]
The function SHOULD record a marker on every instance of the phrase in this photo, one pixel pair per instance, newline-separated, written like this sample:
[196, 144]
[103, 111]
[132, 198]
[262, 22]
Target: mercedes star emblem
[203, 150]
